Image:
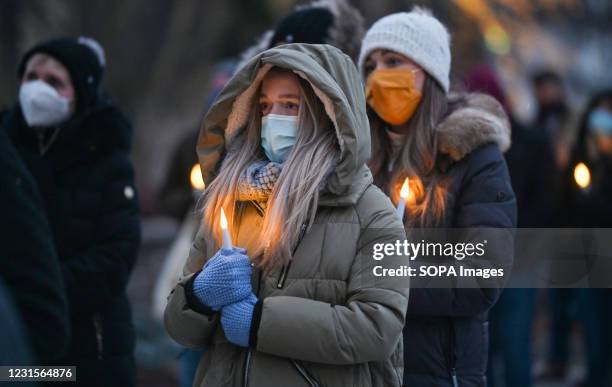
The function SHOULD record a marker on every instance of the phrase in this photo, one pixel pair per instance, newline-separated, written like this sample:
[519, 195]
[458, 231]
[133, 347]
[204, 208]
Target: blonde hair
[294, 199]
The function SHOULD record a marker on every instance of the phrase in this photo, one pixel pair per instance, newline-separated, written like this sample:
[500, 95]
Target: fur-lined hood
[346, 32]
[474, 120]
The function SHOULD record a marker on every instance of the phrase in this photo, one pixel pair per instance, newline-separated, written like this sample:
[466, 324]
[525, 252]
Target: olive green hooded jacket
[325, 319]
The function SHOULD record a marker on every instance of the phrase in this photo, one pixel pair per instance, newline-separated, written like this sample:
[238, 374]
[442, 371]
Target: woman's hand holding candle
[225, 278]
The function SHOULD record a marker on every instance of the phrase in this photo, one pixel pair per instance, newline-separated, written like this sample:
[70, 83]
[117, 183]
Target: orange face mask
[392, 94]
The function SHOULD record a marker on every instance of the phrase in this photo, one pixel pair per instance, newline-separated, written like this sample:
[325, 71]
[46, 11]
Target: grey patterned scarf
[257, 182]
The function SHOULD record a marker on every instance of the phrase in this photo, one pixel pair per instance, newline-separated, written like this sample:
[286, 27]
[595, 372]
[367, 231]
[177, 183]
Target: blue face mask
[278, 135]
[600, 122]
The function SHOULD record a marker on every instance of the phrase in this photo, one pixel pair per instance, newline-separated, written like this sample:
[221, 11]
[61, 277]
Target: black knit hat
[304, 26]
[84, 59]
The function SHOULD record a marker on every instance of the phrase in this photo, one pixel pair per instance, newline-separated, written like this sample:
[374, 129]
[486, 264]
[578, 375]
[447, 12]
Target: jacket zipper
[247, 363]
[279, 285]
[247, 367]
[454, 376]
[97, 321]
[281, 282]
[309, 379]
[283, 275]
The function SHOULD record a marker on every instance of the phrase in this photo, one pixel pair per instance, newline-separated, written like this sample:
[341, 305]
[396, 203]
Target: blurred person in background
[76, 144]
[29, 266]
[587, 203]
[451, 147]
[176, 196]
[591, 205]
[283, 152]
[553, 115]
[553, 112]
[531, 164]
[333, 22]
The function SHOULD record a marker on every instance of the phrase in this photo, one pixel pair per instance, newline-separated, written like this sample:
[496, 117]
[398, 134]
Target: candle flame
[405, 191]
[195, 176]
[223, 220]
[582, 175]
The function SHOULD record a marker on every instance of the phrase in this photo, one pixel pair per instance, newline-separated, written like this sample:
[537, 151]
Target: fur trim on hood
[475, 119]
[346, 32]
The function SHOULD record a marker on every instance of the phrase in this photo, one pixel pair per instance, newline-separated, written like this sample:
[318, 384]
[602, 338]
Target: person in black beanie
[83, 58]
[76, 144]
[333, 22]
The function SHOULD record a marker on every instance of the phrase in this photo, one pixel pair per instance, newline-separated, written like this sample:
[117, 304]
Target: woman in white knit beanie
[450, 147]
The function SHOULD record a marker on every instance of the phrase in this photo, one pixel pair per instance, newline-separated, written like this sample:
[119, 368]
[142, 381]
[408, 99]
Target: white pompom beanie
[417, 35]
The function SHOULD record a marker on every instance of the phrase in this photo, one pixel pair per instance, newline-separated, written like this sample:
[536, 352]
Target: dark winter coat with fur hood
[446, 331]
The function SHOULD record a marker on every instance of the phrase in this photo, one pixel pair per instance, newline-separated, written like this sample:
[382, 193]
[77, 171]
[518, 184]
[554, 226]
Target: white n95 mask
[42, 105]
[278, 135]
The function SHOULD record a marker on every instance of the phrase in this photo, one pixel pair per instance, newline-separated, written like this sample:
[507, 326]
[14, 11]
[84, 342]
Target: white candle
[401, 206]
[227, 240]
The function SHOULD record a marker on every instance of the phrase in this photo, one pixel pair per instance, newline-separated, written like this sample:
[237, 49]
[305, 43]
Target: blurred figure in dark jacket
[28, 265]
[553, 112]
[552, 117]
[587, 203]
[591, 205]
[76, 144]
[532, 170]
[530, 158]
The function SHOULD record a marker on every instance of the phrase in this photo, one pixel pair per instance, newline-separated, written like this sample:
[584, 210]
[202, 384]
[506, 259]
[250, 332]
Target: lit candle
[582, 176]
[227, 240]
[401, 206]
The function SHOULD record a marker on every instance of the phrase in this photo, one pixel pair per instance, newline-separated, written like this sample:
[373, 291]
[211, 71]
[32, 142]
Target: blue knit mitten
[236, 320]
[225, 278]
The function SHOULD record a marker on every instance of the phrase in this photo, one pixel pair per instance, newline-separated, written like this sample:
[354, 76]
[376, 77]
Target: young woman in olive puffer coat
[283, 152]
